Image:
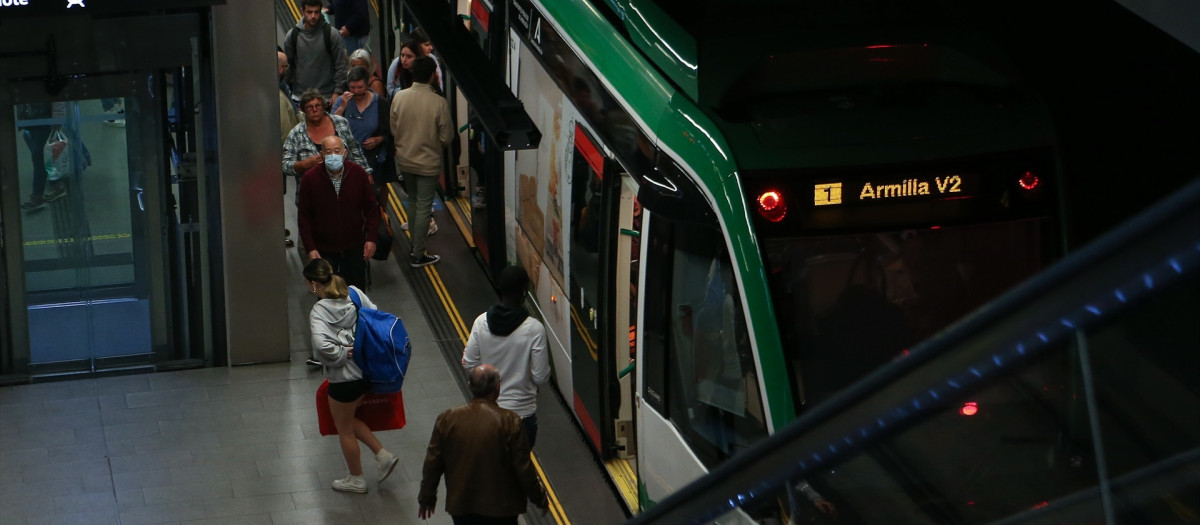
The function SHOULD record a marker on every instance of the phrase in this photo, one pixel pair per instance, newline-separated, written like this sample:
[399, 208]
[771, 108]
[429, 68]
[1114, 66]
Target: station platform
[240, 445]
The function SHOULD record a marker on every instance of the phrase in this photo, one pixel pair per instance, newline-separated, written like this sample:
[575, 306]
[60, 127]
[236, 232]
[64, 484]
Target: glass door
[88, 232]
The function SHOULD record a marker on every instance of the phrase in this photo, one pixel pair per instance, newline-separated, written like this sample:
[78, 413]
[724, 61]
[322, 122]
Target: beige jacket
[288, 117]
[421, 127]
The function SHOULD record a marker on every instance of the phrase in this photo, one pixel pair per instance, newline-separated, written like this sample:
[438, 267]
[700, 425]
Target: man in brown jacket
[484, 454]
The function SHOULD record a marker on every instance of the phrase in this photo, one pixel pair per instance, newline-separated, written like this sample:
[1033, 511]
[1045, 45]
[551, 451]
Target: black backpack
[291, 38]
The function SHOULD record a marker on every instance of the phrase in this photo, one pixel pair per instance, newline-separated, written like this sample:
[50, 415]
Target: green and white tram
[752, 205]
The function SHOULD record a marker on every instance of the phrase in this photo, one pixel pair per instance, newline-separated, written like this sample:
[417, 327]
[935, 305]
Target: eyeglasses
[315, 106]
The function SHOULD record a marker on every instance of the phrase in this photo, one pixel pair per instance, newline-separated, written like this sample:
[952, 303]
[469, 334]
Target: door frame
[146, 191]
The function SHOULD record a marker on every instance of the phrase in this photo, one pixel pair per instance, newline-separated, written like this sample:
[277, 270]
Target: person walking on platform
[288, 116]
[35, 137]
[421, 130]
[515, 343]
[485, 457]
[332, 322]
[367, 113]
[302, 149]
[362, 58]
[352, 20]
[316, 53]
[426, 44]
[400, 72]
[337, 213]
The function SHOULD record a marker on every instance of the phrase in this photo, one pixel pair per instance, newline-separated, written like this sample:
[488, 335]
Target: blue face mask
[333, 162]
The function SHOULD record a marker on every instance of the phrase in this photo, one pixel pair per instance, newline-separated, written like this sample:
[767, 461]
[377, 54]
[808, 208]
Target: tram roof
[754, 66]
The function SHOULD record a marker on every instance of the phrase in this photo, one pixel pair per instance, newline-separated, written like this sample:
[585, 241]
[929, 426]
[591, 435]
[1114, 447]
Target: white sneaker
[387, 463]
[350, 484]
[432, 226]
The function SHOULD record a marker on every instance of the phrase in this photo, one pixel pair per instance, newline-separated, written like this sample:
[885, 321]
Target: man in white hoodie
[515, 343]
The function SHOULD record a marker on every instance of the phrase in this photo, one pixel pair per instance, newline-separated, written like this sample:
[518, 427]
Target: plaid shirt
[299, 146]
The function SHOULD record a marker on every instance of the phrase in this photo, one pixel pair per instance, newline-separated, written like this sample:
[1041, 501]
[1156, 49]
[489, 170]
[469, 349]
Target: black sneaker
[424, 260]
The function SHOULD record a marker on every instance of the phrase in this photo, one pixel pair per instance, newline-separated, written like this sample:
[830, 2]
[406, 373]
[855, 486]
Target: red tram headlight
[1029, 181]
[771, 205]
[969, 408]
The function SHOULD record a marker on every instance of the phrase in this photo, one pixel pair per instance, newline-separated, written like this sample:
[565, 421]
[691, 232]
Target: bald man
[288, 116]
[337, 213]
[484, 454]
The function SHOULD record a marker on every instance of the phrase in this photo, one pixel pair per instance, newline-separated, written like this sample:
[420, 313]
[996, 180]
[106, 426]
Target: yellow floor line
[583, 333]
[434, 276]
[560, 516]
[556, 509]
[68, 240]
[291, 5]
[458, 215]
[451, 309]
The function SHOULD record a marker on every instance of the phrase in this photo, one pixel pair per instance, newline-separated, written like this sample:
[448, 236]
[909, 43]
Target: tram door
[83, 233]
[605, 240]
[589, 273]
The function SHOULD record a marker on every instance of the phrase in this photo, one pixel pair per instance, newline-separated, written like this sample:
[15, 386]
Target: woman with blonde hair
[332, 323]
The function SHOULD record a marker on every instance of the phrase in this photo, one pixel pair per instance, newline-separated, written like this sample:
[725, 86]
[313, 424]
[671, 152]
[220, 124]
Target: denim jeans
[355, 42]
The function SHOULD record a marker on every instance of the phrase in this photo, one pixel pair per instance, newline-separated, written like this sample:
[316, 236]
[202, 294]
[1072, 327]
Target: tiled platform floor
[221, 445]
[235, 445]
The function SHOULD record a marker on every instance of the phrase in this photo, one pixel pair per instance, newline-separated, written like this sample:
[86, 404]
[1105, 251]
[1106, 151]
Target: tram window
[699, 334]
[848, 304]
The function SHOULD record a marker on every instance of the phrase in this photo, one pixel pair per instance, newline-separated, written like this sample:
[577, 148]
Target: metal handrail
[1108, 276]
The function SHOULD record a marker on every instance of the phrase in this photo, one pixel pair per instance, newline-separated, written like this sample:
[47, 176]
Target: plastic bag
[57, 155]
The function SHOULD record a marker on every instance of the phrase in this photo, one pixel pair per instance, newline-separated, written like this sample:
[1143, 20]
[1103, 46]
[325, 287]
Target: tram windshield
[847, 304]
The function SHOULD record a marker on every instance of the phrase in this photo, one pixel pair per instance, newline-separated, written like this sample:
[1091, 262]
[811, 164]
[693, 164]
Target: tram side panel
[534, 203]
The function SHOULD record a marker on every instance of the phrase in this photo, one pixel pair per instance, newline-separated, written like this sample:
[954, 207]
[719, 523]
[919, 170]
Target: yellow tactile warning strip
[626, 480]
[560, 516]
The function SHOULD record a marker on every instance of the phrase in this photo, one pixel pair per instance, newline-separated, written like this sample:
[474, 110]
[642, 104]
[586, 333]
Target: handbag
[57, 156]
[379, 411]
[383, 245]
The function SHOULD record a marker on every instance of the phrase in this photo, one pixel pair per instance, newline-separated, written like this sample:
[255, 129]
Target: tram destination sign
[94, 7]
[888, 189]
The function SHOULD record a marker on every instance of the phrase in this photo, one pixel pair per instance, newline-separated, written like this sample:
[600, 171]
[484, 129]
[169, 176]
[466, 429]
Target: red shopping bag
[378, 411]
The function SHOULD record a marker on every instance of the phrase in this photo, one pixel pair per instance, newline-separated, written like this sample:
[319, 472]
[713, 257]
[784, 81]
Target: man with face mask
[337, 213]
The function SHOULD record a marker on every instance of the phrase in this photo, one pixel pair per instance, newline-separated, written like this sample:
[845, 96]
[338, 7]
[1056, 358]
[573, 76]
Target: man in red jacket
[337, 213]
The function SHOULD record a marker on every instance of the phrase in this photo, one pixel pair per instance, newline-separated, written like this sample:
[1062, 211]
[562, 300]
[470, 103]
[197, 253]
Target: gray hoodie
[332, 324]
[312, 66]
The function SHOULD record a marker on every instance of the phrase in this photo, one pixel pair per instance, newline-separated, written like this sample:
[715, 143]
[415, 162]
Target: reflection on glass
[713, 385]
[851, 303]
[76, 232]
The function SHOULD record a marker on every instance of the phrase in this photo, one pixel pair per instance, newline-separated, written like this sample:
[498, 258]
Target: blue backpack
[381, 347]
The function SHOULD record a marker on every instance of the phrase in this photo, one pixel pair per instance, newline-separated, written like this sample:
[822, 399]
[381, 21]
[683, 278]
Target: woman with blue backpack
[332, 322]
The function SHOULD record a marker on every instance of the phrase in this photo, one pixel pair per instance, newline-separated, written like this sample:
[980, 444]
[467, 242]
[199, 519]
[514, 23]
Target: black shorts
[349, 391]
